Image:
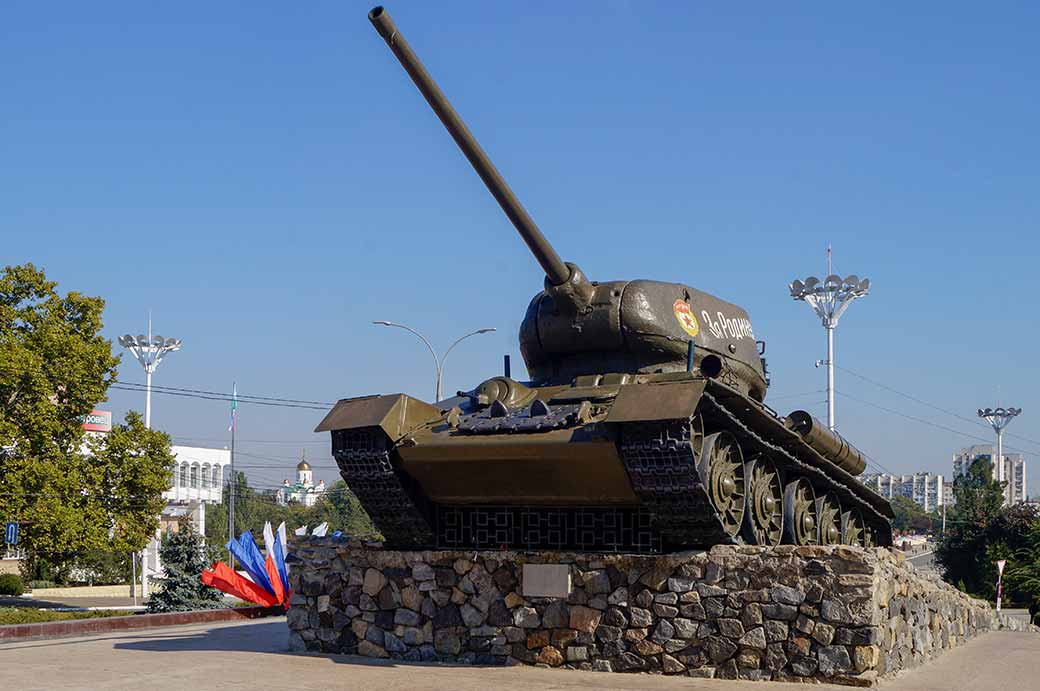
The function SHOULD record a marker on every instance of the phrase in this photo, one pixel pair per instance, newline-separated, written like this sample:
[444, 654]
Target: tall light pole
[149, 351]
[439, 362]
[829, 299]
[1000, 418]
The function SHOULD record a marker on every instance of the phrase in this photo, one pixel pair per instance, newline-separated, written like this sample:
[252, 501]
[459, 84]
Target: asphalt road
[253, 655]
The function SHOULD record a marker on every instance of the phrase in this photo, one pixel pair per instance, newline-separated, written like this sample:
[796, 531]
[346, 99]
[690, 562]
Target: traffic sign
[11, 534]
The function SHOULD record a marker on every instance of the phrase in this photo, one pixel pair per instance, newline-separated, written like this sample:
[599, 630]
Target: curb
[76, 627]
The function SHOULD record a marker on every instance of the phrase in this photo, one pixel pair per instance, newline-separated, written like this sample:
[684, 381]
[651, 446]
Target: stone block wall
[840, 614]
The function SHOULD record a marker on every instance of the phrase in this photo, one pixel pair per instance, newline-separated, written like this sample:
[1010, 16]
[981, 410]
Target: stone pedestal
[840, 614]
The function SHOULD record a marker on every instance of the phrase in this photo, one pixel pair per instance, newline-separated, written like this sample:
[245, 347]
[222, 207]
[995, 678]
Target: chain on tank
[662, 467]
[364, 461]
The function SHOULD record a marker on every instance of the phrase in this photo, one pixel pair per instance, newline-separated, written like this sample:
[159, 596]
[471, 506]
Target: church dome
[303, 465]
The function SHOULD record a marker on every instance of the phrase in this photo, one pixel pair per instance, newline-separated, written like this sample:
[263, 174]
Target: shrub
[182, 589]
[11, 584]
[33, 585]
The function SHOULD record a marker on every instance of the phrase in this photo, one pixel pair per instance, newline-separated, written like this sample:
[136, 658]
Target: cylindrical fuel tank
[831, 445]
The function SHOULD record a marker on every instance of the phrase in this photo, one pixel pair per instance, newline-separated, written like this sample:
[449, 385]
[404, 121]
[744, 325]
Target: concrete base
[839, 614]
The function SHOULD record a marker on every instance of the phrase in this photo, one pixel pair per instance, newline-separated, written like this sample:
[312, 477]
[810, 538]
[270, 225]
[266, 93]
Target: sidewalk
[249, 654]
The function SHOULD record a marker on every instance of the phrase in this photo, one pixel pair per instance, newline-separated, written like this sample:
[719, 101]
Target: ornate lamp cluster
[149, 350]
[999, 418]
[831, 297]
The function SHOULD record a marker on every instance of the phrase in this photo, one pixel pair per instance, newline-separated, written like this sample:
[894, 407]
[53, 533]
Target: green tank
[644, 427]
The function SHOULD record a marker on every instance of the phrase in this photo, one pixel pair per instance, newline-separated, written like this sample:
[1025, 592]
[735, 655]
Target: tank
[643, 427]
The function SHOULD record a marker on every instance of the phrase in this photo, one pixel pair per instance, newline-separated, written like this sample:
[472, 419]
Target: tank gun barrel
[555, 270]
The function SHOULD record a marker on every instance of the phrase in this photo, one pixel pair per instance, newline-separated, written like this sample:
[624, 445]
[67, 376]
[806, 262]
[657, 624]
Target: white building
[198, 475]
[198, 481]
[303, 490]
[1016, 491]
[926, 489]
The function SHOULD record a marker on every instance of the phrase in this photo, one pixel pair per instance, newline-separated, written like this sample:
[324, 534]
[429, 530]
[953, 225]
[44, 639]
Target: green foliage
[910, 516]
[54, 368]
[27, 615]
[128, 470]
[183, 558]
[338, 507]
[980, 531]
[11, 584]
[99, 567]
[1022, 572]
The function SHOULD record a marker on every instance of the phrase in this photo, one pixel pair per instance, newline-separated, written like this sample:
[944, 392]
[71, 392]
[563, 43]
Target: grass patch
[28, 615]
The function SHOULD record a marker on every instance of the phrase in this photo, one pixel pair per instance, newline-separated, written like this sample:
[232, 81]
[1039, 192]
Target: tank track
[363, 456]
[661, 465]
[721, 415]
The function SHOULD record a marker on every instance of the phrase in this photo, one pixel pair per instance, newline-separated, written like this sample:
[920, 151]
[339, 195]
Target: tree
[909, 515]
[129, 469]
[1015, 536]
[183, 556]
[342, 510]
[338, 506]
[54, 368]
[975, 535]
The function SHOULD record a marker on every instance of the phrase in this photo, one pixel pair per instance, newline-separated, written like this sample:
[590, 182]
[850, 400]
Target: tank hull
[660, 463]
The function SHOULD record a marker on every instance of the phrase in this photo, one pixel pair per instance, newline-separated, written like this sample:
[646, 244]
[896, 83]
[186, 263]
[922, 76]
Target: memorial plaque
[547, 580]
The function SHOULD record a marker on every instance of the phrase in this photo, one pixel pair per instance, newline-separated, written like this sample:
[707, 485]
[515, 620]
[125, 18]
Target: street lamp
[149, 351]
[437, 361]
[829, 299]
[1000, 418]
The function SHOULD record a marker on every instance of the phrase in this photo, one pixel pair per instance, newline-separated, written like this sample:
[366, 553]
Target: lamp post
[829, 299]
[439, 362]
[149, 351]
[998, 419]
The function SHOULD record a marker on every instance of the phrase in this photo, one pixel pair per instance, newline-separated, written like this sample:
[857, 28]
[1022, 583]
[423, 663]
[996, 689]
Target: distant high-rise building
[926, 489]
[1014, 469]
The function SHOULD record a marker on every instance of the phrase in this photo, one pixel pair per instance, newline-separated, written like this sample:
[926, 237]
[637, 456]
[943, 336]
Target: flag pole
[232, 489]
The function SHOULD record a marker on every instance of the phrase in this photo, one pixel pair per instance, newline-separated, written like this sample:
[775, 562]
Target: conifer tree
[183, 557]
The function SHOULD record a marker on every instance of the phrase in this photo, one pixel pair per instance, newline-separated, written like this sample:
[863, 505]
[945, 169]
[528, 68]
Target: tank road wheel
[764, 515]
[869, 537]
[696, 435]
[721, 469]
[800, 517]
[854, 531]
[829, 510]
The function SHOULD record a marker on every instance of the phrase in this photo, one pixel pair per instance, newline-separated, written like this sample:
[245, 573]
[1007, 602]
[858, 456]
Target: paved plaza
[253, 655]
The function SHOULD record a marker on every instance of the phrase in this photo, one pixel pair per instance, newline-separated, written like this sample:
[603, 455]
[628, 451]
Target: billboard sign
[98, 421]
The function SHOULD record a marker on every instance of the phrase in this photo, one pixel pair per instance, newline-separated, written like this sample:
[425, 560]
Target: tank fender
[657, 401]
[397, 414]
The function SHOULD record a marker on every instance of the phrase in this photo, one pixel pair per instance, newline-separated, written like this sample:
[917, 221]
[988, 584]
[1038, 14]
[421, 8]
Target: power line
[922, 420]
[222, 398]
[973, 421]
[224, 394]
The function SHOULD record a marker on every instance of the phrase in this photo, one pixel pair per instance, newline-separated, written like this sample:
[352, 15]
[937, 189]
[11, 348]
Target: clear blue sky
[267, 180]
